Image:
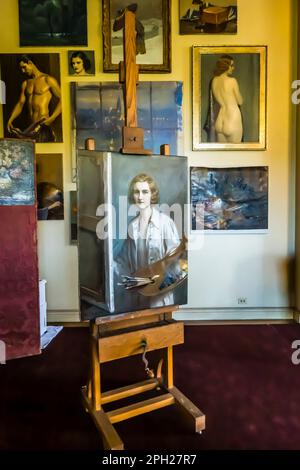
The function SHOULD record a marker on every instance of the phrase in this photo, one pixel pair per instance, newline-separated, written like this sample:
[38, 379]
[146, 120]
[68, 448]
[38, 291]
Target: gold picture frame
[229, 97]
[155, 33]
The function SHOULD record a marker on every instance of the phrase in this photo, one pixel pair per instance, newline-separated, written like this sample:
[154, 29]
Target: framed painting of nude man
[153, 38]
[33, 96]
[229, 98]
[131, 226]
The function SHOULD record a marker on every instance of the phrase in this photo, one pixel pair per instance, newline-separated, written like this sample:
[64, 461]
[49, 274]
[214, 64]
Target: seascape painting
[53, 22]
[17, 170]
[225, 199]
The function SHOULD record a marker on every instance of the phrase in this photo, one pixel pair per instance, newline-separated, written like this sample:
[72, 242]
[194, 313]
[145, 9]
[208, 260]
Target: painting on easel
[131, 232]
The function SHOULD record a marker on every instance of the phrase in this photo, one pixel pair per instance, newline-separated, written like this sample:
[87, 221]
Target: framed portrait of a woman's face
[153, 44]
[81, 63]
[229, 97]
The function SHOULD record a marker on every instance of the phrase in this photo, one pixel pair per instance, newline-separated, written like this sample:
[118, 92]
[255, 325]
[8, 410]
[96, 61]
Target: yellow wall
[224, 266]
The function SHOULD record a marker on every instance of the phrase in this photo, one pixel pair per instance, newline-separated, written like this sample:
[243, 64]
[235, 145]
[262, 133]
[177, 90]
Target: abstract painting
[53, 22]
[229, 198]
[198, 17]
[16, 173]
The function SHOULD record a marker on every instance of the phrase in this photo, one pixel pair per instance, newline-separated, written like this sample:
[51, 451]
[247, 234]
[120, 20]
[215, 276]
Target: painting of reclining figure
[132, 252]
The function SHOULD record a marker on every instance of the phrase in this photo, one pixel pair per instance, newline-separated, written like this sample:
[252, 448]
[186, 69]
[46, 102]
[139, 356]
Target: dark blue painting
[98, 112]
[53, 22]
[229, 198]
[16, 172]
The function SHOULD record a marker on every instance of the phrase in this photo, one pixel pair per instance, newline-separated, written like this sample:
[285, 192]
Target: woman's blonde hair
[141, 178]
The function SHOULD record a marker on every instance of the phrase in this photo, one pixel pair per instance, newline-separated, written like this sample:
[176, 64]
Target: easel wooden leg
[95, 378]
[91, 396]
[110, 437]
[192, 414]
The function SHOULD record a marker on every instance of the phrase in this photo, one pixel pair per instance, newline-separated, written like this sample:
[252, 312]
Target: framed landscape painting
[153, 34]
[53, 23]
[234, 119]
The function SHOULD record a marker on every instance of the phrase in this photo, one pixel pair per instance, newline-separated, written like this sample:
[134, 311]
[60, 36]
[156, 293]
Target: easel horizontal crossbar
[140, 408]
[128, 391]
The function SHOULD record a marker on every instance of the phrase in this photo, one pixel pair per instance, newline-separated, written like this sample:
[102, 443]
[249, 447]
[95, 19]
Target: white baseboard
[297, 317]
[234, 314]
[204, 314]
[63, 316]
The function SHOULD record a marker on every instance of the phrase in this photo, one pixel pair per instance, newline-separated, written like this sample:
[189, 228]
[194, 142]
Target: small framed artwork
[50, 195]
[198, 17]
[81, 63]
[229, 199]
[153, 26]
[17, 172]
[229, 98]
[53, 23]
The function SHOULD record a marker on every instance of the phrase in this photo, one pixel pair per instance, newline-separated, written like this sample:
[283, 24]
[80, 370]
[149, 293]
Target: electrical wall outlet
[242, 300]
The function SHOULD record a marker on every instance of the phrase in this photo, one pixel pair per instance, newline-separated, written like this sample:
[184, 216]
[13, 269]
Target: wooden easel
[118, 336]
[126, 335]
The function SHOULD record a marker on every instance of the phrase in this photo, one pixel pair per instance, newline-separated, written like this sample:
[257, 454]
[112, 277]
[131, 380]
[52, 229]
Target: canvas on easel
[119, 270]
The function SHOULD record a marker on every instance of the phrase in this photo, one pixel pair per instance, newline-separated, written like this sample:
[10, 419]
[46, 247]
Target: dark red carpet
[240, 376]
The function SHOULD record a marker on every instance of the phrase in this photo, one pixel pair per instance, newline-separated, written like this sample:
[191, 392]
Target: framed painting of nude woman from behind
[229, 98]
